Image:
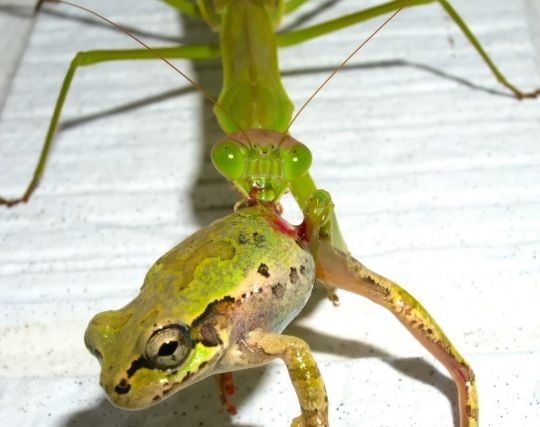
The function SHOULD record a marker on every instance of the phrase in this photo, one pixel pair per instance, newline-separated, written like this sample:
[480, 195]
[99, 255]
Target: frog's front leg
[341, 270]
[303, 370]
[225, 383]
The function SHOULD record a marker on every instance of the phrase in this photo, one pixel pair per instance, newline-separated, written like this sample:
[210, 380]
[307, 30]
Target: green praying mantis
[261, 190]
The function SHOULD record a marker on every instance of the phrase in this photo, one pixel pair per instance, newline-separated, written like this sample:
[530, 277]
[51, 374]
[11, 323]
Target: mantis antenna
[156, 53]
[344, 62]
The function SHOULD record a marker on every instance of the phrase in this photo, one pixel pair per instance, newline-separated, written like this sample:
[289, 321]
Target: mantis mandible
[301, 187]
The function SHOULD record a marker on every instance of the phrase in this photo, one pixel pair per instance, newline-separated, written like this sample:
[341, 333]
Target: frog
[216, 303]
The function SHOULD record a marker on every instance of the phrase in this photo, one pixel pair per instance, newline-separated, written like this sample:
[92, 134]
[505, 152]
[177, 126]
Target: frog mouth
[142, 385]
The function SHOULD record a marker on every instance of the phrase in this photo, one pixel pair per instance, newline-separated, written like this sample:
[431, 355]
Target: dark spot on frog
[263, 270]
[155, 398]
[302, 270]
[259, 239]
[188, 376]
[140, 363]
[212, 308]
[293, 275]
[278, 290]
[377, 288]
[468, 411]
[122, 387]
[209, 336]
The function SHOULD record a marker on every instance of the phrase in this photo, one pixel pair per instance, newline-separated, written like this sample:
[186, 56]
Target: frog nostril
[122, 387]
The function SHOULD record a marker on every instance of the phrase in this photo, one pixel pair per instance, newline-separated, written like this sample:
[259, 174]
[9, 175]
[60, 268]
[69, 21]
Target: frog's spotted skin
[198, 304]
[218, 301]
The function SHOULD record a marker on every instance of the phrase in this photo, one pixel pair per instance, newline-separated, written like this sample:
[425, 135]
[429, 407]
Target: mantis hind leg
[341, 270]
[90, 58]
[304, 34]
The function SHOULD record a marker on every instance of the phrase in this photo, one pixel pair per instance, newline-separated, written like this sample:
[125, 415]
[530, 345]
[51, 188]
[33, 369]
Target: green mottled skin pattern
[237, 275]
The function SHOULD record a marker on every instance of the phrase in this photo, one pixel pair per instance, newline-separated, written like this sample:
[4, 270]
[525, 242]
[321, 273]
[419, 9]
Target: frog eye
[296, 161]
[229, 158]
[168, 347]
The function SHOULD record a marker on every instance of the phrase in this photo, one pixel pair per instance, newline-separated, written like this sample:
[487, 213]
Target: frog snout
[121, 393]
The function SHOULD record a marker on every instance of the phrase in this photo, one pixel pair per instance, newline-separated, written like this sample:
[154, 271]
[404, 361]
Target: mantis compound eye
[229, 158]
[168, 347]
[296, 161]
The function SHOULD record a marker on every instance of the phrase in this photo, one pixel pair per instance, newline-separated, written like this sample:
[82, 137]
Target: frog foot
[317, 420]
[332, 295]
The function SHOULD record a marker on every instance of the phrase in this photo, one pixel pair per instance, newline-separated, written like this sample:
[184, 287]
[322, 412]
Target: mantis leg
[303, 371]
[90, 58]
[319, 224]
[299, 36]
[341, 270]
[184, 6]
[292, 5]
[304, 188]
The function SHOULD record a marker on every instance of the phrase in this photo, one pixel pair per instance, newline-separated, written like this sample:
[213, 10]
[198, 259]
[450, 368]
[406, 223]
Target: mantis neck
[252, 91]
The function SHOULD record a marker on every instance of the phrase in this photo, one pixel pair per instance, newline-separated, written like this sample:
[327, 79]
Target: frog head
[147, 354]
[262, 164]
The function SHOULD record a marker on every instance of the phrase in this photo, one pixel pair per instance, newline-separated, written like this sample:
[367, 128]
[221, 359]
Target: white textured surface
[15, 23]
[437, 185]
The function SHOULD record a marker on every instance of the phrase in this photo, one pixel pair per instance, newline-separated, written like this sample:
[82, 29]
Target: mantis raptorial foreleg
[94, 57]
[299, 36]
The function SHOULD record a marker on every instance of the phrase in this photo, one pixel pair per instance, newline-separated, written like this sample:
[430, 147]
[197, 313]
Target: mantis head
[262, 164]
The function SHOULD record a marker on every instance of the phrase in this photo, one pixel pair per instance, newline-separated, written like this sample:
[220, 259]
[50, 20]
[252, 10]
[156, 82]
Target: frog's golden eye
[168, 347]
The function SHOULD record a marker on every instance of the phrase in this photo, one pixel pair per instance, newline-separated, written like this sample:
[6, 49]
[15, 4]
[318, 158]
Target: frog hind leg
[226, 387]
[303, 371]
[341, 270]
